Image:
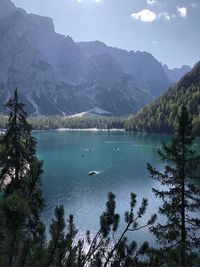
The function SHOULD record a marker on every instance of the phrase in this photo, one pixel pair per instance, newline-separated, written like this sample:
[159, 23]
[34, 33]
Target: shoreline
[2, 131]
[83, 130]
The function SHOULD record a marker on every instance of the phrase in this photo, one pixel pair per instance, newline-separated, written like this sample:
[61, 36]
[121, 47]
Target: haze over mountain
[55, 75]
[161, 115]
[175, 74]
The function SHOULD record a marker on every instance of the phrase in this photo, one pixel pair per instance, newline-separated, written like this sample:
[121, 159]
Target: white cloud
[151, 2]
[182, 11]
[145, 15]
[164, 15]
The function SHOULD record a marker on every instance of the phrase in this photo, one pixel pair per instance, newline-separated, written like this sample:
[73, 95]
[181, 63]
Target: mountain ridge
[175, 74]
[55, 75]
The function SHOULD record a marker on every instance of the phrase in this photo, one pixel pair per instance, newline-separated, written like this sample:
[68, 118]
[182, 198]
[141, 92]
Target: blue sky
[169, 29]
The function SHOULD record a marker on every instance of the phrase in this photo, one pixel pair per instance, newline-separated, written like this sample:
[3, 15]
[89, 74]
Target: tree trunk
[183, 229]
[12, 249]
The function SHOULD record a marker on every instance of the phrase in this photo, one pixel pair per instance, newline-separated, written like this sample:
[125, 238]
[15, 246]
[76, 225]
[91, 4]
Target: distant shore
[84, 130]
[2, 131]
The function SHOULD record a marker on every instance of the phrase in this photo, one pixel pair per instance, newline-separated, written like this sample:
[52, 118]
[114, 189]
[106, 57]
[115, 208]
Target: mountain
[161, 115]
[177, 73]
[141, 66]
[55, 75]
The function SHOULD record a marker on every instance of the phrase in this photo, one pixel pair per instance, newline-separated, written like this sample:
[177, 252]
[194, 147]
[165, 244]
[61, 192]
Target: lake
[120, 158]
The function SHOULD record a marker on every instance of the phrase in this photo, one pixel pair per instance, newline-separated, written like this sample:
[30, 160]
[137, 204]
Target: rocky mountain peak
[55, 75]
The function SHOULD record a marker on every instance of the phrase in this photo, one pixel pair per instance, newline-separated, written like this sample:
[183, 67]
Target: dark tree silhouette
[180, 195]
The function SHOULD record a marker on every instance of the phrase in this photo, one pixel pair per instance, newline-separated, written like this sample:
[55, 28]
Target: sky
[168, 29]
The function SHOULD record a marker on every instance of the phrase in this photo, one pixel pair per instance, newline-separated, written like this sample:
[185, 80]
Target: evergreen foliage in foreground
[18, 146]
[180, 196]
[23, 241]
[20, 184]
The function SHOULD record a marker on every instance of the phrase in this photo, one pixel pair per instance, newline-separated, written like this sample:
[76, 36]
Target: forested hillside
[161, 115]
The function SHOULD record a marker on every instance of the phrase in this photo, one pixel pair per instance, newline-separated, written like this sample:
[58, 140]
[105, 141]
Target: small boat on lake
[92, 173]
[88, 149]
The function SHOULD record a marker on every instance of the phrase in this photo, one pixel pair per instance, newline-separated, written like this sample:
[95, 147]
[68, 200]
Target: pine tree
[20, 181]
[180, 195]
[14, 211]
[57, 246]
[18, 147]
[108, 248]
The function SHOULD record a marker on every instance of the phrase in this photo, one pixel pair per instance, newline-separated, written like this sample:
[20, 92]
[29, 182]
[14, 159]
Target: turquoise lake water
[121, 160]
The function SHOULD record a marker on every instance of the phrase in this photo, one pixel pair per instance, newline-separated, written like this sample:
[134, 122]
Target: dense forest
[161, 116]
[85, 122]
[23, 236]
